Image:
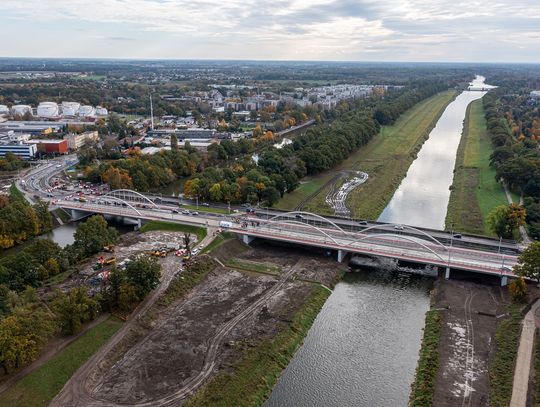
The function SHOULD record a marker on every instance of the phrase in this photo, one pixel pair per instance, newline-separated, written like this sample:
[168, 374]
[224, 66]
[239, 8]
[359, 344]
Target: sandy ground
[158, 361]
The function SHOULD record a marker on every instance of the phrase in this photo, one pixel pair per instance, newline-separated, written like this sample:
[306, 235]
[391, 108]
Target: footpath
[524, 357]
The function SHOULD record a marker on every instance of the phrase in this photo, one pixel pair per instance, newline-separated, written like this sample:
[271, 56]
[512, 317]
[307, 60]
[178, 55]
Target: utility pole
[151, 113]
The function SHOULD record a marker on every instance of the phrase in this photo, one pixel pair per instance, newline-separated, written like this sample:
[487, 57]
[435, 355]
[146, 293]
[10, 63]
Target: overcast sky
[350, 30]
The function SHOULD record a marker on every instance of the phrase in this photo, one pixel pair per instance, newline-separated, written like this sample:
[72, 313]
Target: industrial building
[48, 110]
[50, 146]
[76, 141]
[22, 150]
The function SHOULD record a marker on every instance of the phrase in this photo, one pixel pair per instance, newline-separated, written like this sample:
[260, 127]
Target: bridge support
[504, 281]
[247, 239]
[341, 254]
[447, 273]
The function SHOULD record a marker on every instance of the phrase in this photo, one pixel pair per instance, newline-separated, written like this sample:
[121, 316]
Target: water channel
[363, 347]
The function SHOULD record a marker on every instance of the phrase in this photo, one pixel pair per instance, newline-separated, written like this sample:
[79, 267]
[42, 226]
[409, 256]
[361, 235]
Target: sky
[337, 30]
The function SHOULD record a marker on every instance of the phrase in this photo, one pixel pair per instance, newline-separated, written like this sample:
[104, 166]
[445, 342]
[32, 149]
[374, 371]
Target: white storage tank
[4, 109]
[47, 109]
[87, 111]
[70, 108]
[101, 111]
[20, 110]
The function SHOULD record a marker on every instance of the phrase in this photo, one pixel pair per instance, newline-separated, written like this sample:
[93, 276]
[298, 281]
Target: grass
[386, 158]
[204, 209]
[186, 281]
[252, 266]
[501, 368]
[174, 227]
[62, 214]
[217, 242]
[39, 387]
[423, 387]
[307, 188]
[250, 380]
[475, 192]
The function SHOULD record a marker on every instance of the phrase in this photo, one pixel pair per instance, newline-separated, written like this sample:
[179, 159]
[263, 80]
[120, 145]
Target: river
[363, 347]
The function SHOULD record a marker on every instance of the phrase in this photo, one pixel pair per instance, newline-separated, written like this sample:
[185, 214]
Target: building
[76, 141]
[17, 144]
[50, 146]
[535, 94]
[48, 110]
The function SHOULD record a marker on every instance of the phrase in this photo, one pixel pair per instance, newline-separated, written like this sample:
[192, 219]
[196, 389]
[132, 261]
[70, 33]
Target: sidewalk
[524, 358]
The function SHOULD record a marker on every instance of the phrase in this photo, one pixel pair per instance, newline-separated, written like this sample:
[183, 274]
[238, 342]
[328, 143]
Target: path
[524, 236]
[52, 349]
[524, 357]
[75, 389]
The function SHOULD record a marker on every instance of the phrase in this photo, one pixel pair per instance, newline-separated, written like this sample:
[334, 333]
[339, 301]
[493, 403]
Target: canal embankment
[474, 191]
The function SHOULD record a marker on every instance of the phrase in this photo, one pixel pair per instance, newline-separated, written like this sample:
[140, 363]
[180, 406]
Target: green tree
[174, 142]
[529, 262]
[91, 236]
[127, 297]
[215, 192]
[74, 309]
[143, 272]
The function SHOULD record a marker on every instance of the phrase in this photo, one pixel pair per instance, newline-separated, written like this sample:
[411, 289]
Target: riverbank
[386, 159]
[474, 191]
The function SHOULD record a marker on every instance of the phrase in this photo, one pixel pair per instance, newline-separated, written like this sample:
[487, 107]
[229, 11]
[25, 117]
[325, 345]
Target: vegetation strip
[174, 227]
[387, 157]
[252, 266]
[39, 387]
[501, 368]
[423, 387]
[475, 191]
[253, 377]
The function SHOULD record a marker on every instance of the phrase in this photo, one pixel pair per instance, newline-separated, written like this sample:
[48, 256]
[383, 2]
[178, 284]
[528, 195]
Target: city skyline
[428, 30]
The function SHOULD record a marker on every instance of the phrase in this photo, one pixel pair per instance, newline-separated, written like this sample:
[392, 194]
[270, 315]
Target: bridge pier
[341, 254]
[504, 281]
[447, 274]
[247, 239]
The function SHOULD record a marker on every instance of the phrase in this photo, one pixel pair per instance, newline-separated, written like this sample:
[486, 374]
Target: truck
[225, 224]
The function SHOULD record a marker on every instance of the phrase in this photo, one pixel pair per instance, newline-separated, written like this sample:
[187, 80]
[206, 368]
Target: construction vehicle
[110, 261]
[108, 249]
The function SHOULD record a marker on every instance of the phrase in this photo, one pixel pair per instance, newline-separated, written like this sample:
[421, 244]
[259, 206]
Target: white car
[398, 227]
[194, 252]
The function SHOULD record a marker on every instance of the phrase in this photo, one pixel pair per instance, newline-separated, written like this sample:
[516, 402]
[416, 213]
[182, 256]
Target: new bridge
[400, 242]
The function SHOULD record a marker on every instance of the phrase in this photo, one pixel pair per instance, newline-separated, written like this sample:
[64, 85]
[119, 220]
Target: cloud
[300, 29]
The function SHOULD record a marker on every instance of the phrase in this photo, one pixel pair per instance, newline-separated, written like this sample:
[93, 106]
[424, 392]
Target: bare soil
[160, 357]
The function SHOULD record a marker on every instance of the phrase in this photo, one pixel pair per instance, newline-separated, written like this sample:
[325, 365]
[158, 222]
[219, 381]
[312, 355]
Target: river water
[363, 347]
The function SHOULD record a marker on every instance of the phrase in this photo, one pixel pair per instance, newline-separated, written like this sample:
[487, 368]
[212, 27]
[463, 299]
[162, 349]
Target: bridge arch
[121, 194]
[275, 224]
[387, 225]
[402, 237]
[321, 218]
[115, 199]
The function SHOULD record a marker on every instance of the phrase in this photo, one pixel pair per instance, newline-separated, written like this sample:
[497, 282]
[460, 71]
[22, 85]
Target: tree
[174, 142]
[215, 192]
[117, 178]
[74, 309]
[91, 236]
[518, 289]
[187, 241]
[504, 220]
[127, 297]
[529, 262]
[143, 272]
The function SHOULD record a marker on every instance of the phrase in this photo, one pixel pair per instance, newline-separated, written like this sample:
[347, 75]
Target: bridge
[382, 240]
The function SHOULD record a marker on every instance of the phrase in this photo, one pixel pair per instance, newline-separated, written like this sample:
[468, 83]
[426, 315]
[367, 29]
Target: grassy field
[306, 188]
[174, 227]
[218, 241]
[252, 266]
[387, 157]
[501, 367]
[40, 386]
[475, 192]
[251, 379]
[423, 388]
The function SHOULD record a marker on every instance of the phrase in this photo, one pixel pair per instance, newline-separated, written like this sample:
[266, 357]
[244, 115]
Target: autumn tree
[518, 289]
[529, 262]
[504, 220]
[117, 178]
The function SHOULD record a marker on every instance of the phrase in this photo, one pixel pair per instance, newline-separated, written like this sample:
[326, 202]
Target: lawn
[475, 192]
[218, 241]
[252, 266]
[386, 158]
[307, 188]
[174, 227]
[39, 387]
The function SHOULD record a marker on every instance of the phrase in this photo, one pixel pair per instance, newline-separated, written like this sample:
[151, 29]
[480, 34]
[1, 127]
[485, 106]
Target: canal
[363, 347]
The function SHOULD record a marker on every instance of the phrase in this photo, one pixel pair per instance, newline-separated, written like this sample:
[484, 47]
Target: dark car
[363, 223]
[457, 236]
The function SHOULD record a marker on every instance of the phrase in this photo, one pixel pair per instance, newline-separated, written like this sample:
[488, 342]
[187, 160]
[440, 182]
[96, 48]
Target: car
[235, 210]
[457, 236]
[195, 213]
[194, 252]
[298, 216]
[185, 212]
[206, 204]
[201, 247]
[175, 211]
[363, 223]
[398, 227]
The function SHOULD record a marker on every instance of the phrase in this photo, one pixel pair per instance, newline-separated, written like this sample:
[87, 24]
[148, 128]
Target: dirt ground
[471, 312]
[177, 346]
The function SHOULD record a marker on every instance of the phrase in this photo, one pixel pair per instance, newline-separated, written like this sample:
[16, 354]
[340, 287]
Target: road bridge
[294, 227]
